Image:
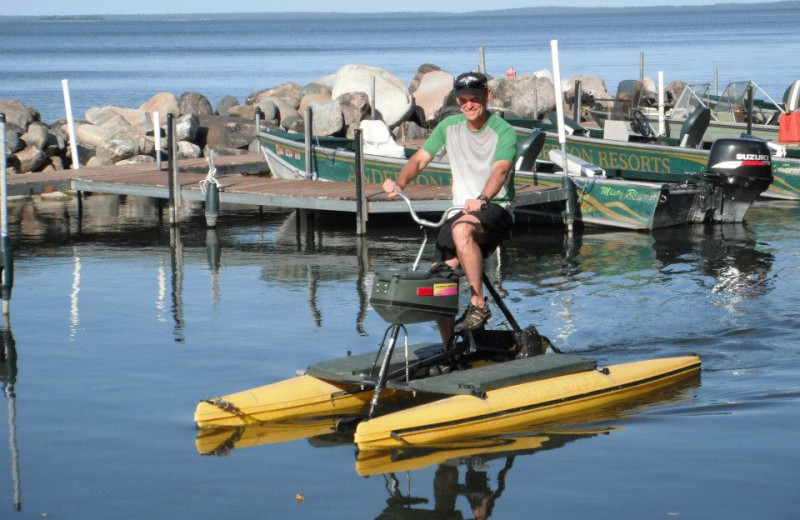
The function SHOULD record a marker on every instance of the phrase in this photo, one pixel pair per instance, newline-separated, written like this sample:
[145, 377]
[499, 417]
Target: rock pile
[339, 102]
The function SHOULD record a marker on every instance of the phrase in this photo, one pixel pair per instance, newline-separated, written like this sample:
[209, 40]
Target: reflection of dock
[241, 182]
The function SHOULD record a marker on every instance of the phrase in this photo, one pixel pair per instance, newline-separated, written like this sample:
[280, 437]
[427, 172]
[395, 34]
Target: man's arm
[416, 164]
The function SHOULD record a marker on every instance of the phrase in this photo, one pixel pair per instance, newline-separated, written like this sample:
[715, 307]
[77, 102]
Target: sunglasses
[471, 82]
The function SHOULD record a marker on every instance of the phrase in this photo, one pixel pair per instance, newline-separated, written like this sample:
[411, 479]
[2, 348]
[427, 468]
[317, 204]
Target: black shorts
[496, 222]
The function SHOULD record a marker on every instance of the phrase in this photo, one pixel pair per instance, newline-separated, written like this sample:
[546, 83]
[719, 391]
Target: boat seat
[571, 127]
[359, 368]
[695, 127]
[529, 149]
[378, 140]
[791, 98]
[479, 380]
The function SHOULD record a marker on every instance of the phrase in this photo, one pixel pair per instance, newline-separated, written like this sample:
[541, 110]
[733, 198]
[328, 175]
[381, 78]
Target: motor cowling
[740, 164]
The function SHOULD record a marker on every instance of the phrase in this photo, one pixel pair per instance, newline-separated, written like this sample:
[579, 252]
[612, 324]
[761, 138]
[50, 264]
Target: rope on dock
[211, 176]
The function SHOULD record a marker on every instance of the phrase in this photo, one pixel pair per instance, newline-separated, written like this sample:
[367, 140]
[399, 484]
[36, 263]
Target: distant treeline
[544, 10]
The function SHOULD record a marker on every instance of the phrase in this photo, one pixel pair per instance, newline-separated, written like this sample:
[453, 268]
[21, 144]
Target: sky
[80, 7]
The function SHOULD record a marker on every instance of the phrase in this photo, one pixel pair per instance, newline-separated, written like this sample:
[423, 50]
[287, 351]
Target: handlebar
[422, 221]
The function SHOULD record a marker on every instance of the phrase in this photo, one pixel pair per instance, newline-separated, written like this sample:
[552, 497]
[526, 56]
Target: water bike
[480, 383]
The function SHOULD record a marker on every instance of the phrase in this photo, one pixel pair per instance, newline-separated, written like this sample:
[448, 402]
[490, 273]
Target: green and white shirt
[473, 153]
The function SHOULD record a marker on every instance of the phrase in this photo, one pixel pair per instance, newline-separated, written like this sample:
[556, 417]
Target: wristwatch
[483, 197]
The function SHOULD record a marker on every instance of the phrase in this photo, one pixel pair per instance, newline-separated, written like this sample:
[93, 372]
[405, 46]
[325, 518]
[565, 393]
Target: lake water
[126, 62]
[121, 325]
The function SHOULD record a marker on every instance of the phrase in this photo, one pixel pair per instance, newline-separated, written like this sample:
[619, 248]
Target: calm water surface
[121, 326]
[127, 62]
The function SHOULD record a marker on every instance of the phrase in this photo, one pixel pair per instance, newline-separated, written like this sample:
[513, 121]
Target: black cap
[473, 83]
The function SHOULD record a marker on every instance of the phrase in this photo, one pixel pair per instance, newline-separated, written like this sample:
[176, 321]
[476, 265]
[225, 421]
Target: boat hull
[542, 401]
[301, 396]
[655, 162]
[616, 203]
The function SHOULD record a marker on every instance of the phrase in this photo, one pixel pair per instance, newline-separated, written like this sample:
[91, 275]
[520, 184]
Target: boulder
[14, 143]
[269, 112]
[55, 163]
[56, 143]
[164, 103]
[245, 111]
[186, 127]
[137, 159]
[98, 161]
[593, 86]
[423, 69]
[393, 101]
[122, 143]
[527, 95]
[289, 92]
[19, 114]
[36, 136]
[294, 124]
[187, 150]
[432, 88]
[89, 135]
[326, 81]
[222, 132]
[30, 159]
[326, 117]
[355, 108]
[225, 104]
[310, 98]
[314, 88]
[194, 103]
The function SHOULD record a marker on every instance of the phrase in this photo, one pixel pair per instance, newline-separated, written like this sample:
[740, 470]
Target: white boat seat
[377, 140]
[791, 98]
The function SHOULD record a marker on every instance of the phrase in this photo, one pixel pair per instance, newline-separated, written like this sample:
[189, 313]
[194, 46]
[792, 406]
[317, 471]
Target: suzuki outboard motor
[738, 171]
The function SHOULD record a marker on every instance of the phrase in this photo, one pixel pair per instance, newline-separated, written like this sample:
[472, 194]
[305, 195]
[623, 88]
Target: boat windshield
[629, 93]
[693, 96]
[732, 106]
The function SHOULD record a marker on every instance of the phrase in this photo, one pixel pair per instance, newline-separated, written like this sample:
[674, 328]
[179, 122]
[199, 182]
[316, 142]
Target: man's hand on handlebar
[473, 205]
[391, 188]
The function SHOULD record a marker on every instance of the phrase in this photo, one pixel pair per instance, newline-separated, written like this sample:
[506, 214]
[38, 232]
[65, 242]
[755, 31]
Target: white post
[73, 139]
[157, 137]
[662, 127]
[566, 183]
[562, 137]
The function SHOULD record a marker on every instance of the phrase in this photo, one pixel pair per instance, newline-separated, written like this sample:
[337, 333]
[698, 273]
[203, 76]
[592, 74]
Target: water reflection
[728, 253]
[8, 378]
[477, 459]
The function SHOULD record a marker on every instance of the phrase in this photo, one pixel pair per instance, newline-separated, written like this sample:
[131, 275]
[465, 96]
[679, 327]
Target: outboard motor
[739, 171]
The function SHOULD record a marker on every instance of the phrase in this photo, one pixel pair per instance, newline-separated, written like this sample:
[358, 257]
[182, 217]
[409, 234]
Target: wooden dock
[242, 180]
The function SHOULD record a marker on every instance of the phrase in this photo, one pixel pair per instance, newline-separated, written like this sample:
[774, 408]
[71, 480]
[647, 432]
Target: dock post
[73, 138]
[662, 124]
[170, 167]
[749, 102]
[641, 68]
[309, 149]
[716, 81]
[176, 182]
[372, 99]
[576, 104]
[212, 193]
[482, 52]
[7, 262]
[259, 115]
[157, 137]
[361, 199]
[566, 182]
